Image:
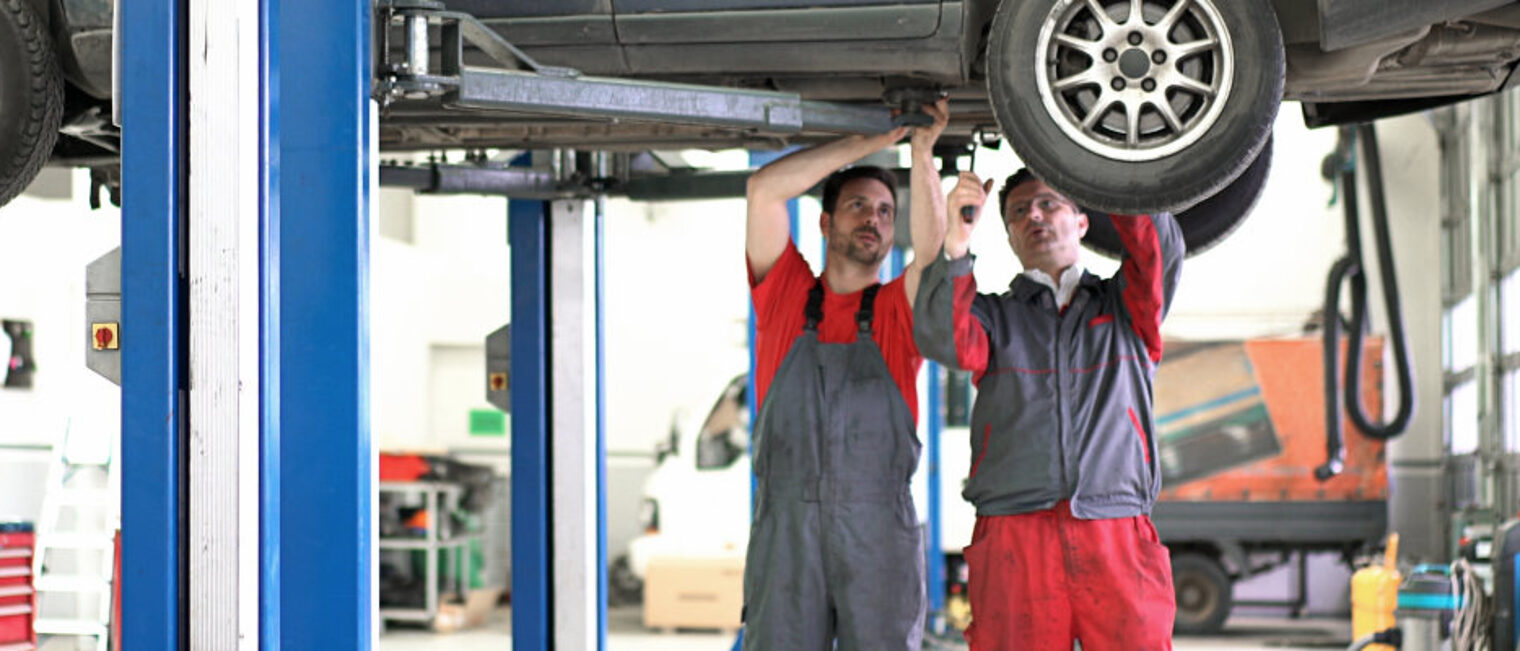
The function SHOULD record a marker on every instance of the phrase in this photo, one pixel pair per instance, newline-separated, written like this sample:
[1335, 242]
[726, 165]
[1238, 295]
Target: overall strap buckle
[814, 310]
[865, 315]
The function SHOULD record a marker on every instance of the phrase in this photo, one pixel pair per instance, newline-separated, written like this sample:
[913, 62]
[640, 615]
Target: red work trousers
[1040, 580]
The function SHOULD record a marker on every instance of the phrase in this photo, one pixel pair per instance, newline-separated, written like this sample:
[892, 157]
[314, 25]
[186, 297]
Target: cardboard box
[478, 606]
[472, 613]
[694, 593]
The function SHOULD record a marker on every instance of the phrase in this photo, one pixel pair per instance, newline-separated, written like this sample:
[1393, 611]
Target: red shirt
[779, 303]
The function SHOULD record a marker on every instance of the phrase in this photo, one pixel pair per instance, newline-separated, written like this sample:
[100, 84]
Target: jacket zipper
[986, 433]
[1060, 405]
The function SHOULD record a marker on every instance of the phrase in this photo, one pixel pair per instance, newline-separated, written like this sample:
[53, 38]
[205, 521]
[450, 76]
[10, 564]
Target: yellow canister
[1375, 595]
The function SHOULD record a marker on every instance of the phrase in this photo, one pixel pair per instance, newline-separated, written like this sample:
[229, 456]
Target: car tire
[1075, 135]
[1205, 224]
[31, 97]
[1204, 594]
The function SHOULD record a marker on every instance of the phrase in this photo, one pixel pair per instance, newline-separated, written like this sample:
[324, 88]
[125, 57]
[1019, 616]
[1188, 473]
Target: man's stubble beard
[845, 245]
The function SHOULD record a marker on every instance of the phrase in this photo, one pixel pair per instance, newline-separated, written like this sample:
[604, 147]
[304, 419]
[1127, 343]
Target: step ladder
[74, 559]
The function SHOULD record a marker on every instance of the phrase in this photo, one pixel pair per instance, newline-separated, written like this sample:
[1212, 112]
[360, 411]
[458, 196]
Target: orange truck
[1241, 429]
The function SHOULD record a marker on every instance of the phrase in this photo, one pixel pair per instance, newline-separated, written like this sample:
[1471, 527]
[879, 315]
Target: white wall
[45, 244]
[440, 284]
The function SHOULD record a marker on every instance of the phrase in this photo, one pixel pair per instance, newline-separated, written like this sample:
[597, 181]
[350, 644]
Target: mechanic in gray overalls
[835, 551]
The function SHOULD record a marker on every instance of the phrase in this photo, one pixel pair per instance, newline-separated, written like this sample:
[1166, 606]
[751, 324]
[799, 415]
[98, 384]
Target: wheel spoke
[1184, 50]
[1100, 108]
[1105, 22]
[1170, 116]
[1132, 122]
[1087, 77]
[1174, 14]
[1136, 13]
[1092, 49]
[1190, 84]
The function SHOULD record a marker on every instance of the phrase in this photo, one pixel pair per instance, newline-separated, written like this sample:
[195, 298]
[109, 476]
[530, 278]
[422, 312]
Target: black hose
[1351, 267]
[1392, 304]
[1335, 457]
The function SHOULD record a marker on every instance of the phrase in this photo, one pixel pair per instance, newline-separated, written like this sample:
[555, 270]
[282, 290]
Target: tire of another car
[1168, 184]
[31, 97]
[1203, 225]
[1204, 593]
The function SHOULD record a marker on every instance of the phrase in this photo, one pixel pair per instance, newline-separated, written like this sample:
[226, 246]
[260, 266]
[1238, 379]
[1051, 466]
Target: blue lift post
[320, 158]
[153, 111]
[935, 563]
[270, 531]
[601, 424]
[532, 612]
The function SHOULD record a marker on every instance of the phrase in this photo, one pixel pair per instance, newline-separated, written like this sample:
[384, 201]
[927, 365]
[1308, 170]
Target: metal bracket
[523, 85]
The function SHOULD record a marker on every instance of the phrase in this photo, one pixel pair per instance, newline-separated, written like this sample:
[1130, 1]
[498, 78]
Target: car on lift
[1124, 105]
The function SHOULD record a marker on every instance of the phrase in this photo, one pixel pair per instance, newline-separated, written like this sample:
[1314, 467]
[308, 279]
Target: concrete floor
[626, 633]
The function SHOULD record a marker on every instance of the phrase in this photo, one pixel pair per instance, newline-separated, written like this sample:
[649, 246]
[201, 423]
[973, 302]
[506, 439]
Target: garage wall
[47, 236]
[439, 285]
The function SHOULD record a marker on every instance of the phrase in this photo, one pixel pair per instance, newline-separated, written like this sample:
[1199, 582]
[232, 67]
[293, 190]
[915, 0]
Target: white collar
[1066, 289]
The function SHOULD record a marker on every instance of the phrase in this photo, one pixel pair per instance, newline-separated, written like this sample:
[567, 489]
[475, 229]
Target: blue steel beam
[601, 425]
[935, 574]
[153, 113]
[532, 605]
[327, 462]
[270, 577]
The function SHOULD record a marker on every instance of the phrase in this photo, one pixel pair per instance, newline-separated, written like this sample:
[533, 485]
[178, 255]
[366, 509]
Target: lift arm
[523, 85]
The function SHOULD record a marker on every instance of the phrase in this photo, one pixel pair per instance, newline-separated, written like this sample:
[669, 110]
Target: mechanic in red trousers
[1064, 467]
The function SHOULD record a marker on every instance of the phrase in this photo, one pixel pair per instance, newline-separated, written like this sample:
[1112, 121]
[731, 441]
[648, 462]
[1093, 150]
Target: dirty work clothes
[1048, 578]
[1063, 408]
[779, 300]
[834, 548]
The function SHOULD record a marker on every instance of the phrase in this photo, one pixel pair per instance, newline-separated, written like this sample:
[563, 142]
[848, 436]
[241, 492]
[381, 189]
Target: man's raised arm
[926, 201]
[786, 178]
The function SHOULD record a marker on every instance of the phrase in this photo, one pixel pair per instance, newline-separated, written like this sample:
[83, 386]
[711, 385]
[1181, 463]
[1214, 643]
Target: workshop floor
[626, 633]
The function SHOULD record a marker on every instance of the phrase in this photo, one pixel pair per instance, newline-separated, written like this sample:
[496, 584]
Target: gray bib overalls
[834, 547]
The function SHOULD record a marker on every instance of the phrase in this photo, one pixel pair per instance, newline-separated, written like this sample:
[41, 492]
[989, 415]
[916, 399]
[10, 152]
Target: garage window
[1462, 418]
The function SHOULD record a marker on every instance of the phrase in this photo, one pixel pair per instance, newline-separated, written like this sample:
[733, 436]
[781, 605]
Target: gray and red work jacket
[1063, 409]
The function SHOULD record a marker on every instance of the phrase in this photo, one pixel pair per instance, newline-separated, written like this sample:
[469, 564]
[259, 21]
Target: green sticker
[488, 422]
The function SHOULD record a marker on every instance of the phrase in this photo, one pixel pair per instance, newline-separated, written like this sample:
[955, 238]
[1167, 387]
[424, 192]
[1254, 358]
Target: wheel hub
[1134, 63]
[1134, 80]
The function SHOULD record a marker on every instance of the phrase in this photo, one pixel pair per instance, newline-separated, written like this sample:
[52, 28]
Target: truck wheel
[1204, 594]
[1203, 225]
[1136, 113]
[31, 97]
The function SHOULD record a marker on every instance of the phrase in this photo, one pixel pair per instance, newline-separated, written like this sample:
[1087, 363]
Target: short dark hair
[835, 183]
[1014, 180]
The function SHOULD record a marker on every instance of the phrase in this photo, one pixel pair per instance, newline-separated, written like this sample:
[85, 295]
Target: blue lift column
[321, 126]
[532, 608]
[153, 105]
[935, 565]
[316, 470]
[559, 554]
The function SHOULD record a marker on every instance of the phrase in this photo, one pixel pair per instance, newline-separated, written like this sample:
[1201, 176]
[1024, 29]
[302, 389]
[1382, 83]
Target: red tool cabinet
[17, 599]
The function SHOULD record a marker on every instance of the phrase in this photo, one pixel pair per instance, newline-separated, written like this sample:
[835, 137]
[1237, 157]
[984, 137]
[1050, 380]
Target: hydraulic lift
[305, 161]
